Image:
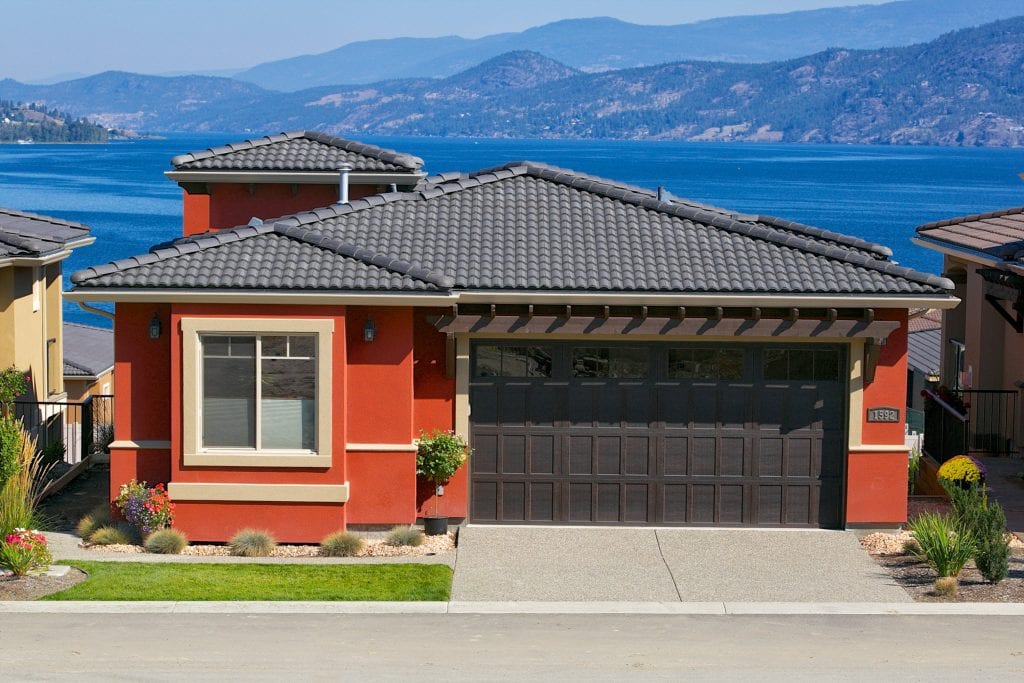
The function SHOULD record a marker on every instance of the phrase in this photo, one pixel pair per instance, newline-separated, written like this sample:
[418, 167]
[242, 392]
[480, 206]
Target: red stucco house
[613, 357]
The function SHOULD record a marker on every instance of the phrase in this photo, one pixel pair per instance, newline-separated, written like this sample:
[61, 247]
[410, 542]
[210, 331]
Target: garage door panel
[542, 454]
[705, 456]
[609, 455]
[513, 454]
[513, 500]
[676, 450]
[581, 455]
[769, 462]
[702, 446]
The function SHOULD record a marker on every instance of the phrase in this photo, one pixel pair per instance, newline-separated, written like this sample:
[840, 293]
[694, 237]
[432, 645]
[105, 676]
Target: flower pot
[435, 526]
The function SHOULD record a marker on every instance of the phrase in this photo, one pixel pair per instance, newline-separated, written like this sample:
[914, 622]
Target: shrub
[24, 550]
[404, 536]
[53, 452]
[962, 469]
[166, 542]
[993, 544]
[945, 546]
[252, 543]
[99, 517]
[913, 468]
[146, 509]
[19, 495]
[111, 535]
[342, 544]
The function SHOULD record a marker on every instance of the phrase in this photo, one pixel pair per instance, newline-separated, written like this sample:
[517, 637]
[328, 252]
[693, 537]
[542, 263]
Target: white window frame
[194, 453]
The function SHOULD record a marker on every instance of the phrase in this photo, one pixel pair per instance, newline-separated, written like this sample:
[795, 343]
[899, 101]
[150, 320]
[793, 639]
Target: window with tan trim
[256, 392]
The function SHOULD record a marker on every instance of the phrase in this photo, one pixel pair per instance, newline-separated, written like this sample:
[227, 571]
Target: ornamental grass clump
[99, 517]
[166, 542]
[21, 492]
[252, 543]
[111, 535]
[24, 551]
[946, 546]
[147, 509]
[401, 536]
[342, 544]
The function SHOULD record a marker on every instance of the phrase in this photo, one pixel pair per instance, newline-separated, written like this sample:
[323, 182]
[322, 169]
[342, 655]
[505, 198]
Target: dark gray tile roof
[298, 151]
[30, 235]
[924, 350]
[528, 226]
[997, 233]
[88, 350]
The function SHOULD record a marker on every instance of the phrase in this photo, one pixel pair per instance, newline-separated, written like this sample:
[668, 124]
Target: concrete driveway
[687, 565]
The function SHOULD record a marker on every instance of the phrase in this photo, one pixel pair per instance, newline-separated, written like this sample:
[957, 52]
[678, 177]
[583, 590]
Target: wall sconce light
[155, 327]
[369, 331]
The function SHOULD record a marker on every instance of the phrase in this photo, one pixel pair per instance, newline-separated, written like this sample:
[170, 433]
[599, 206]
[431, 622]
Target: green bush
[945, 545]
[913, 468]
[993, 543]
[404, 536]
[53, 452]
[342, 544]
[10, 448]
[166, 542]
[97, 518]
[252, 543]
[111, 535]
[439, 454]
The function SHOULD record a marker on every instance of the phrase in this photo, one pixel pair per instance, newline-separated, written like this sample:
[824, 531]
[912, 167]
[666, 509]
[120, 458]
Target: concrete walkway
[553, 564]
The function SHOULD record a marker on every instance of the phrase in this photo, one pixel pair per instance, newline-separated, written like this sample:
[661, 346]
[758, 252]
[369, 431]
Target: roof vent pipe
[343, 171]
[663, 194]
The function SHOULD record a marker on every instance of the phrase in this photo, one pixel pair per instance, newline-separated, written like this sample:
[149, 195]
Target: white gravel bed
[432, 545]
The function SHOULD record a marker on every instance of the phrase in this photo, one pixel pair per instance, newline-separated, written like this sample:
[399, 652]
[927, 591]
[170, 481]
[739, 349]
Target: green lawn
[171, 581]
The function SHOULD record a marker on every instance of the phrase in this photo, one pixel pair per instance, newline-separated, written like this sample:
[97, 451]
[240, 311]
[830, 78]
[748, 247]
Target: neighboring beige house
[88, 361]
[31, 323]
[983, 338]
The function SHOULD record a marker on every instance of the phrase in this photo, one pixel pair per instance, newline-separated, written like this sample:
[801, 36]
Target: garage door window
[611, 362]
[801, 365]
[513, 361]
[705, 364]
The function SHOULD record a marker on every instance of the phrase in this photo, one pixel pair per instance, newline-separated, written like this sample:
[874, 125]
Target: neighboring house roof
[88, 350]
[997, 235]
[31, 236]
[298, 151]
[924, 350]
[523, 226]
[925, 319]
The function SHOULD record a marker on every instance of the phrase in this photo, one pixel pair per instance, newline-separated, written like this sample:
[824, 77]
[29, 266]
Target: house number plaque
[883, 414]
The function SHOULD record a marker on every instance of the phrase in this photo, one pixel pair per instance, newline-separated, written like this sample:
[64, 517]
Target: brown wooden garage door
[660, 434]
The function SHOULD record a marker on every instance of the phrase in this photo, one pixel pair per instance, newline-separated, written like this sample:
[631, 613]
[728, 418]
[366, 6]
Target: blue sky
[47, 38]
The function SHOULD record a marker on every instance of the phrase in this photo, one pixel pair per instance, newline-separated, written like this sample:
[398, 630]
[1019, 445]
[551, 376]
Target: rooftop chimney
[343, 170]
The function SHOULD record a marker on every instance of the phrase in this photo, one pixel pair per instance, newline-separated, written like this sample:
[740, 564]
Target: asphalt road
[287, 647]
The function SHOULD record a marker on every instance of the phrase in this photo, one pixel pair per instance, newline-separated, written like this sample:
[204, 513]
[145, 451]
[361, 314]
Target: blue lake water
[878, 193]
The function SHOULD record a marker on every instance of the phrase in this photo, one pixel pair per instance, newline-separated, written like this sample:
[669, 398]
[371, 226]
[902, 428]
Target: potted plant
[439, 455]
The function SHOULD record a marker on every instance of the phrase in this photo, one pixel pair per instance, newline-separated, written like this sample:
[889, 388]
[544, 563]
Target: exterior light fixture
[369, 331]
[155, 327]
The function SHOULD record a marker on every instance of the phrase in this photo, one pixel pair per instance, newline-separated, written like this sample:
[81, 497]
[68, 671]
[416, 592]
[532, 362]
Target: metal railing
[945, 428]
[74, 427]
[993, 420]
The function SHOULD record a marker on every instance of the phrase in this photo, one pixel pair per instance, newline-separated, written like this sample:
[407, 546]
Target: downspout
[98, 311]
[343, 171]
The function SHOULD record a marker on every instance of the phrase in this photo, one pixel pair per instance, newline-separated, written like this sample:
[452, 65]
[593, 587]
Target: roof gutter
[44, 259]
[139, 295]
[295, 177]
[958, 252]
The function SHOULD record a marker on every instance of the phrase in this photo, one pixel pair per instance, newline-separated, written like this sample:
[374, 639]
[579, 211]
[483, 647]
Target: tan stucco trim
[855, 426]
[381, 447]
[259, 493]
[957, 252]
[193, 453]
[126, 444]
[198, 296]
[294, 177]
[882, 448]
[462, 385]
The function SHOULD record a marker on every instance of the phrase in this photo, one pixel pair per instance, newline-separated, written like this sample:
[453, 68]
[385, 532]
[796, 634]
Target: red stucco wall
[876, 486]
[230, 204]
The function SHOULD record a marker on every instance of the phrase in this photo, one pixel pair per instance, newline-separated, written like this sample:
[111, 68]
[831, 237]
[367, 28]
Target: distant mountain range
[602, 44]
[964, 88]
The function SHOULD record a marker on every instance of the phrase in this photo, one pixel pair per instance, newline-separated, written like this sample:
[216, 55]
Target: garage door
[658, 434]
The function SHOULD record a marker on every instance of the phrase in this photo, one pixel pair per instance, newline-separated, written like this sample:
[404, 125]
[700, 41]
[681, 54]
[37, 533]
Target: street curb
[469, 608]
